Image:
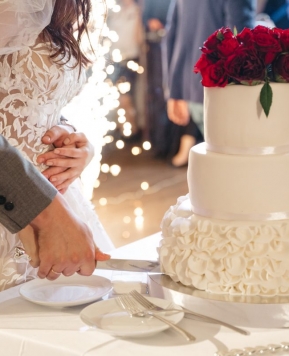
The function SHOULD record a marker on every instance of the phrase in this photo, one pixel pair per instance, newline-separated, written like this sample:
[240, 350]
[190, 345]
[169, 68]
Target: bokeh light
[136, 151]
[146, 145]
[103, 201]
[144, 186]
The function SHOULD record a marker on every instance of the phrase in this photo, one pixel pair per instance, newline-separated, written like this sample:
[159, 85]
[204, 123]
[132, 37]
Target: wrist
[50, 212]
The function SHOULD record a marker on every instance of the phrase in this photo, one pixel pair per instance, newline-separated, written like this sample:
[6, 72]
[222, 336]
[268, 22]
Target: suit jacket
[24, 192]
[190, 24]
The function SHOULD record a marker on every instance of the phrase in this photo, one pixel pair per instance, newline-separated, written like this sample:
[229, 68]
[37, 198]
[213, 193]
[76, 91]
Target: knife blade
[128, 265]
[115, 264]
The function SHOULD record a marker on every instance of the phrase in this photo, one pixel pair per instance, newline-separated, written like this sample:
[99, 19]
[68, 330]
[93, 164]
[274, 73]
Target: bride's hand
[30, 245]
[72, 154]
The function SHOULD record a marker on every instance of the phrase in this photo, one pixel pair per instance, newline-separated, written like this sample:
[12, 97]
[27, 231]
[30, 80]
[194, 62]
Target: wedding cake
[230, 234]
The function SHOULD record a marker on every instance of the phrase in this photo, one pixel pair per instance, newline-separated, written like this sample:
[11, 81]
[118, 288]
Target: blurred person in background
[154, 16]
[190, 23]
[277, 10]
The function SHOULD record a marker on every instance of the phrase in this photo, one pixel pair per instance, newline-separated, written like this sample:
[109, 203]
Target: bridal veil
[21, 21]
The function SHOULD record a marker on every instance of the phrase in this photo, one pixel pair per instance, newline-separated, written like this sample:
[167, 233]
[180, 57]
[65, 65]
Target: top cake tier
[235, 123]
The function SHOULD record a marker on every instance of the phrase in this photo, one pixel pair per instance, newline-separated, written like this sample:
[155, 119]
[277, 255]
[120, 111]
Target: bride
[41, 69]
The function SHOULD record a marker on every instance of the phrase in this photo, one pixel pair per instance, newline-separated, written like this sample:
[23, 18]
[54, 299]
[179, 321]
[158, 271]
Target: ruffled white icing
[240, 258]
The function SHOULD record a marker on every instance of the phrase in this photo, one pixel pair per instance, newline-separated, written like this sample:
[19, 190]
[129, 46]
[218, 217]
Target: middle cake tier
[238, 187]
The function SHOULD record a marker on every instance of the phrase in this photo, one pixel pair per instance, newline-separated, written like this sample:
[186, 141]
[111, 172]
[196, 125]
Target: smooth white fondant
[246, 258]
[235, 121]
[224, 185]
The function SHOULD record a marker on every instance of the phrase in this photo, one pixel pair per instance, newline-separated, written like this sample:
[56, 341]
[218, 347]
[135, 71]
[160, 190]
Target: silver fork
[150, 306]
[129, 304]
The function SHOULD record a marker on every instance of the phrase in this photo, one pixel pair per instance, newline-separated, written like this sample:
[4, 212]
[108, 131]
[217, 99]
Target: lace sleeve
[21, 21]
[31, 96]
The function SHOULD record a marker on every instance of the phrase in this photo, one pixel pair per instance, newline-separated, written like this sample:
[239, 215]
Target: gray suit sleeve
[24, 192]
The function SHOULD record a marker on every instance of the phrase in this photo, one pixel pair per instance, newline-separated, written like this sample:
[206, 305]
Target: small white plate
[66, 291]
[108, 316]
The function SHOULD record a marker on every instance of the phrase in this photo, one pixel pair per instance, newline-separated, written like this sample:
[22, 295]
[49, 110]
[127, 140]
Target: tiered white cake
[230, 234]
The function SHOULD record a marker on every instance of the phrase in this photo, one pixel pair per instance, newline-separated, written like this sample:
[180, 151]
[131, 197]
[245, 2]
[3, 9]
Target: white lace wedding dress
[33, 90]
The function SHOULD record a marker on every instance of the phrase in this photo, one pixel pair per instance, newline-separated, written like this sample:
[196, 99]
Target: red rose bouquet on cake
[254, 56]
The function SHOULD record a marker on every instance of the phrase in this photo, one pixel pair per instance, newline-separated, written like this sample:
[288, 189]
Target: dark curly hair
[68, 16]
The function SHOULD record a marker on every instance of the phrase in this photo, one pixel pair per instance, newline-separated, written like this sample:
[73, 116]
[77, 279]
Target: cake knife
[111, 264]
[129, 265]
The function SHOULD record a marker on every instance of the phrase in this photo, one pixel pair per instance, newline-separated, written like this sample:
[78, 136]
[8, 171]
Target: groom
[27, 198]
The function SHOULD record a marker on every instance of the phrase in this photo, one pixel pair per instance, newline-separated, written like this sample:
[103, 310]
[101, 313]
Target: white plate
[107, 316]
[66, 291]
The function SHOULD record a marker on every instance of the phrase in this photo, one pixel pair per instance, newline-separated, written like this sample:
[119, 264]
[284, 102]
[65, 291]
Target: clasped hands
[57, 241]
[71, 155]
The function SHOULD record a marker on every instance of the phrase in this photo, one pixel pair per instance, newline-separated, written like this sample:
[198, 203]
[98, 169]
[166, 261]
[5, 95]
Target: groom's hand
[65, 243]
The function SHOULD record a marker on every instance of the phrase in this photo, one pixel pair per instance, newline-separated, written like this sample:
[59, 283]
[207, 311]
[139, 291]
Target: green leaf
[266, 96]
[220, 36]
[235, 31]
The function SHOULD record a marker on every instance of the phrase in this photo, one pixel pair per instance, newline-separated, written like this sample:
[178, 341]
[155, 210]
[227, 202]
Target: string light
[127, 126]
[108, 139]
[121, 119]
[119, 144]
[140, 70]
[116, 55]
[138, 194]
[112, 126]
[115, 170]
[104, 168]
[144, 186]
[110, 69]
[126, 234]
[146, 145]
[100, 98]
[121, 112]
[124, 87]
[96, 183]
[138, 211]
[127, 219]
[103, 201]
[139, 222]
[136, 151]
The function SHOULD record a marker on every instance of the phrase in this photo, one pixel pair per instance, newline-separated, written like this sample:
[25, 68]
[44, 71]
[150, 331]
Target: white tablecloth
[27, 329]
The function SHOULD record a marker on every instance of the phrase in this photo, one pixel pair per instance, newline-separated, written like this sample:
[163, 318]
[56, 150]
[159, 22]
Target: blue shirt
[191, 23]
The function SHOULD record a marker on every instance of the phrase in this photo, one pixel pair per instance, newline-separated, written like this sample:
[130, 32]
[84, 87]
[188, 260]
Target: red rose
[227, 47]
[221, 43]
[266, 42]
[281, 68]
[245, 66]
[211, 44]
[283, 38]
[215, 75]
[203, 63]
[246, 38]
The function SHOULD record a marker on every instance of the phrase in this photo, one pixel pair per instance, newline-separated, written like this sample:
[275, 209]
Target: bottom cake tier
[218, 256]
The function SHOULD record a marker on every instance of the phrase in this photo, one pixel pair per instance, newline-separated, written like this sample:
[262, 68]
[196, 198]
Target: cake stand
[248, 311]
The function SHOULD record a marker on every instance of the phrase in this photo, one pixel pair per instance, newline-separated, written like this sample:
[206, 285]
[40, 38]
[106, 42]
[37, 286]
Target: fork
[150, 306]
[129, 304]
